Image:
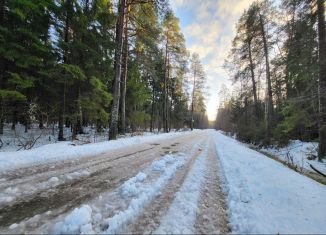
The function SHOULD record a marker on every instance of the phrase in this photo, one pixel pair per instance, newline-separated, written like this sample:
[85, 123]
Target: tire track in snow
[212, 216]
[118, 222]
[66, 196]
[149, 220]
[41, 183]
[181, 216]
[12, 179]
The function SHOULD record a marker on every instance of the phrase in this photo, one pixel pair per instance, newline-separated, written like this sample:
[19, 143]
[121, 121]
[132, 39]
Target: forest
[278, 65]
[121, 66]
[162, 117]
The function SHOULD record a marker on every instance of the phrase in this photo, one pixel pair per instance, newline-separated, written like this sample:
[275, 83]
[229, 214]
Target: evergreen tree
[23, 51]
[197, 100]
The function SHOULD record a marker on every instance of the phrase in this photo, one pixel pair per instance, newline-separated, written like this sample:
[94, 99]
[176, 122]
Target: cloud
[175, 4]
[209, 27]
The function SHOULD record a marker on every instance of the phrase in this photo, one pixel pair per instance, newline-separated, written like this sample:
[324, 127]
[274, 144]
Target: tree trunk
[165, 102]
[246, 110]
[65, 60]
[192, 102]
[159, 124]
[1, 125]
[117, 71]
[26, 120]
[2, 68]
[268, 95]
[79, 126]
[152, 110]
[291, 29]
[254, 89]
[14, 117]
[2, 23]
[62, 113]
[124, 77]
[170, 114]
[77, 119]
[74, 129]
[168, 105]
[2, 11]
[1, 116]
[41, 124]
[322, 79]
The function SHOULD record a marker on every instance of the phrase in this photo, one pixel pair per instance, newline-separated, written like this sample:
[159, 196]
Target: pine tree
[322, 78]
[117, 69]
[24, 48]
[198, 76]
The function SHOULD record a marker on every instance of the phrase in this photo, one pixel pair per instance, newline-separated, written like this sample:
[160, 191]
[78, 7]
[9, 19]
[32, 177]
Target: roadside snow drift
[266, 197]
[297, 152]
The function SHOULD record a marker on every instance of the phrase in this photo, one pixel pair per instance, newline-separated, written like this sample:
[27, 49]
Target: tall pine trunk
[79, 124]
[290, 35]
[168, 104]
[322, 78]
[2, 68]
[268, 95]
[62, 112]
[117, 71]
[170, 114]
[153, 106]
[192, 102]
[124, 78]
[165, 102]
[254, 89]
[65, 60]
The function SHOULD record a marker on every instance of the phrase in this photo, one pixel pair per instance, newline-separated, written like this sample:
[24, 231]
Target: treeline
[277, 63]
[77, 63]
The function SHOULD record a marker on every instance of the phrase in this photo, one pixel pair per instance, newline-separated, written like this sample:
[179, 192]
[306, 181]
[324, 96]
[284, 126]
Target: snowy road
[129, 189]
[196, 182]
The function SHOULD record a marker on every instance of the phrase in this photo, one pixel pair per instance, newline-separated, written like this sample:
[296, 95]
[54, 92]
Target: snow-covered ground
[266, 197]
[17, 139]
[14, 140]
[66, 150]
[296, 153]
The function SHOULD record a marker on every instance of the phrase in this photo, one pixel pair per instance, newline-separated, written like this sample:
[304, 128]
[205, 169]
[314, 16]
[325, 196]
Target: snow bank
[266, 197]
[64, 150]
[161, 164]
[298, 151]
[146, 193]
[77, 222]
[181, 215]
[132, 186]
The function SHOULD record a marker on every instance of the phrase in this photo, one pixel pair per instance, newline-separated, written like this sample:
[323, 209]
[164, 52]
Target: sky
[209, 27]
